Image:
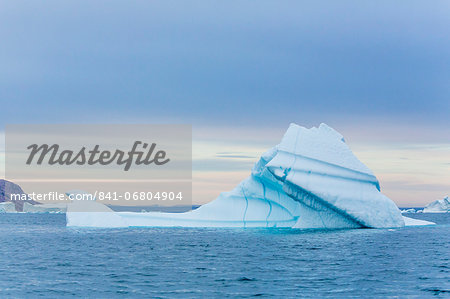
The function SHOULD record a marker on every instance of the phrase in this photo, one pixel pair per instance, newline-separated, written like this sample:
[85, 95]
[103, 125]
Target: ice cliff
[310, 180]
[438, 206]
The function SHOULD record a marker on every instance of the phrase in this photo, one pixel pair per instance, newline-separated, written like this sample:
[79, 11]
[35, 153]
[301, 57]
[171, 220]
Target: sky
[240, 72]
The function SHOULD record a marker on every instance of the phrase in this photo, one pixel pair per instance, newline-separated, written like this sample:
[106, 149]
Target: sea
[42, 258]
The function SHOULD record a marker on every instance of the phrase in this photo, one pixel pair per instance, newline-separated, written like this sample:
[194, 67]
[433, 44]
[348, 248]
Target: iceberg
[45, 208]
[310, 180]
[7, 207]
[98, 215]
[416, 222]
[438, 206]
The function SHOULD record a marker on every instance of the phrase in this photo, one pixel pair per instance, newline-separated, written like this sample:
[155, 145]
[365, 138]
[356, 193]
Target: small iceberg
[438, 206]
[409, 211]
[310, 180]
[7, 207]
[45, 208]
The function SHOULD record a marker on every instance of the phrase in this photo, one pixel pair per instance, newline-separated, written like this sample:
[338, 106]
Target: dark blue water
[41, 257]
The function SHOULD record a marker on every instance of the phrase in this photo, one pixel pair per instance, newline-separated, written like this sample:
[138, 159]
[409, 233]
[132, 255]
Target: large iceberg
[310, 180]
[438, 206]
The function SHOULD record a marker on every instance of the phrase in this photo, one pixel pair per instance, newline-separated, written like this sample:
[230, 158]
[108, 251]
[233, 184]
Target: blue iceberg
[310, 180]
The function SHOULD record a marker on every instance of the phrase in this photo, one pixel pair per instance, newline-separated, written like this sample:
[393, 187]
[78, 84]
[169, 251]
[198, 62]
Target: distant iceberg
[7, 207]
[310, 180]
[438, 206]
[45, 208]
[409, 211]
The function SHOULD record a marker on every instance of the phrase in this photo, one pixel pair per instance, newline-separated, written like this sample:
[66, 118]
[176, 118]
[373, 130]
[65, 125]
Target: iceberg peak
[322, 144]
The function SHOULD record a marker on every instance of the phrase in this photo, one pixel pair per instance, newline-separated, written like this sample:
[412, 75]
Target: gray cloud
[223, 63]
[234, 156]
[221, 165]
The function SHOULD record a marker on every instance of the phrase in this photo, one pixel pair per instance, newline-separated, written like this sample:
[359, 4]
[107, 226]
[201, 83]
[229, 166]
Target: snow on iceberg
[438, 206]
[310, 180]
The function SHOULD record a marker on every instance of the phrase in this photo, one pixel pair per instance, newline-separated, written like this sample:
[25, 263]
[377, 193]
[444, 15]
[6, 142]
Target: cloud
[222, 64]
[2, 141]
[235, 156]
[221, 165]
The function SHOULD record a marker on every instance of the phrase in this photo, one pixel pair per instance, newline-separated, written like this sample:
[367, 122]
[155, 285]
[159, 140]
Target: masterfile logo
[94, 156]
[121, 163]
